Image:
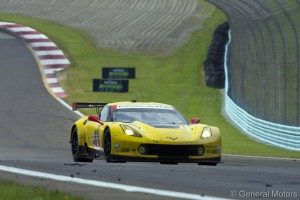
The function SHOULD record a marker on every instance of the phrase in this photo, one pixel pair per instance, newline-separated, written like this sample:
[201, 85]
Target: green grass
[175, 78]
[13, 191]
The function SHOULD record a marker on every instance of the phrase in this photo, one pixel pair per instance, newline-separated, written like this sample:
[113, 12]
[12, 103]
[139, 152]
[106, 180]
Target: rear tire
[107, 145]
[75, 148]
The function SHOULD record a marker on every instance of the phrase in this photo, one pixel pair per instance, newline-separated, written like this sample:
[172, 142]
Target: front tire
[75, 148]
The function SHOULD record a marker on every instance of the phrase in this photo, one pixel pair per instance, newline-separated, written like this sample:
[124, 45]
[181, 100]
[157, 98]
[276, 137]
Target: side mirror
[94, 118]
[195, 120]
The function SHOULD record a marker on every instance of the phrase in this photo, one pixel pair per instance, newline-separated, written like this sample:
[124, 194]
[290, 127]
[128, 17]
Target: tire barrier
[265, 58]
[263, 87]
[214, 63]
[282, 136]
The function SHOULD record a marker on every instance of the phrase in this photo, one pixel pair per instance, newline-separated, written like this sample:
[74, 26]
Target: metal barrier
[283, 136]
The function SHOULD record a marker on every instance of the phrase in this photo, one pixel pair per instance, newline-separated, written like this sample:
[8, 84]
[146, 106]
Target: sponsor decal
[173, 138]
[145, 106]
[117, 146]
[96, 139]
[125, 149]
[214, 151]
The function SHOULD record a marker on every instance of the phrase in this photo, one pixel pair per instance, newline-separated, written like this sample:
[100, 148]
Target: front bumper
[165, 159]
[192, 152]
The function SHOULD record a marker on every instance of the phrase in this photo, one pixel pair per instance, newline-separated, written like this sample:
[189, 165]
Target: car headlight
[130, 131]
[206, 132]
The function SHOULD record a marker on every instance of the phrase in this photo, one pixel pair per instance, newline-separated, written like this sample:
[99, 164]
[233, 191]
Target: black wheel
[107, 146]
[74, 145]
[75, 148]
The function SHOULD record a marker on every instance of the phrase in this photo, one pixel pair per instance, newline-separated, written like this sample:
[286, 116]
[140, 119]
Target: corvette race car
[140, 131]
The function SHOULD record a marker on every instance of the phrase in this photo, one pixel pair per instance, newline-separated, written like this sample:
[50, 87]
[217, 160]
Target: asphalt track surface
[34, 129]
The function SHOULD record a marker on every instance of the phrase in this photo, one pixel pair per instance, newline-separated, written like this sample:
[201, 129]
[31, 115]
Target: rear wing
[77, 105]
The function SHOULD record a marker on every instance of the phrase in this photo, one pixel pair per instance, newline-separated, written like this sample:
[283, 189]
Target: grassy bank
[12, 191]
[175, 78]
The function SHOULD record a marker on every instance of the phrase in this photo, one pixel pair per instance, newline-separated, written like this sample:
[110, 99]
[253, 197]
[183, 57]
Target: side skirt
[90, 153]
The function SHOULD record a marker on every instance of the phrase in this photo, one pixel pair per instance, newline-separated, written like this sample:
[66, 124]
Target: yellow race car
[140, 131]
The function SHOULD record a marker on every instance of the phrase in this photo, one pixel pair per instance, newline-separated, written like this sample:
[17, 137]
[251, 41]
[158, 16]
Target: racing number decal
[96, 139]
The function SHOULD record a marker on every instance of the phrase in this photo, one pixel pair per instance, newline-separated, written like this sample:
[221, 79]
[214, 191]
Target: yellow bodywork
[91, 136]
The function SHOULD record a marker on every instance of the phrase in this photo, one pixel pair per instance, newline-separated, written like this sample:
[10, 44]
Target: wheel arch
[80, 133]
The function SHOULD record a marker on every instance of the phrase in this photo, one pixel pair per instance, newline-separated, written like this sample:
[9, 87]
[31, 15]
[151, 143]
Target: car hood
[167, 132]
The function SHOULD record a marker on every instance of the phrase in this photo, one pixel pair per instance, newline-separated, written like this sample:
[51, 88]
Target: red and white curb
[51, 57]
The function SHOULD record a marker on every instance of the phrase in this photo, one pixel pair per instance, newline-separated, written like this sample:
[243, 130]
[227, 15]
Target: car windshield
[149, 116]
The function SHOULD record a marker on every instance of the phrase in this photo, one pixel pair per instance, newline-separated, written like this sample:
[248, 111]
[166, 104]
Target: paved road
[142, 25]
[33, 124]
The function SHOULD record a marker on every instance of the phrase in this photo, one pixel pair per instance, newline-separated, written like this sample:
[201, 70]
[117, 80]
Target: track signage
[109, 85]
[118, 72]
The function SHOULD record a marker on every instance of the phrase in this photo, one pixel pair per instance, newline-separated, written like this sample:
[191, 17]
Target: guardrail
[283, 136]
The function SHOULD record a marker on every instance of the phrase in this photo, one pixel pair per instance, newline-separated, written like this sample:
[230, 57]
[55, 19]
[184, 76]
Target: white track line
[102, 184]
[260, 157]
[69, 107]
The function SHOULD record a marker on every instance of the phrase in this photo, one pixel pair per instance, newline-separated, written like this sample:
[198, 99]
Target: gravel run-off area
[135, 25]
